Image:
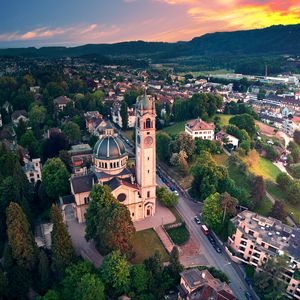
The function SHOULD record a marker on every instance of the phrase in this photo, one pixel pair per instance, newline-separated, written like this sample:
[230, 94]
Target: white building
[199, 129]
[117, 118]
[226, 138]
[289, 127]
[32, 169]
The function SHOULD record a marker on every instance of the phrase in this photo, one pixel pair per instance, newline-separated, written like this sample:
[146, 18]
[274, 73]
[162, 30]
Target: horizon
[73, 23]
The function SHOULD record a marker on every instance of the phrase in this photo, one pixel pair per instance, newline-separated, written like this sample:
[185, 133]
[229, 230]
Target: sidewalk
[168, 244]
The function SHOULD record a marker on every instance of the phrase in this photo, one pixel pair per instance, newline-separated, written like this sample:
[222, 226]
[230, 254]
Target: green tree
[163, 141]
[72, 274]
[244, 121]
[50, 295]
[212, 213]
[228, 204]
[186, 144]
[72, 132]
[44, 272]
[278, 211]
[165, 197]
[108, 222]
[89, 287]
[175, 267]
[3, 285]
[139, 278]
[20, 238]
[115, 272]
[29, 141]
[293, 192]
[62, 249]
[37, 115]
[283, 180]
[55, 178]
[124, 115]
[297, 136]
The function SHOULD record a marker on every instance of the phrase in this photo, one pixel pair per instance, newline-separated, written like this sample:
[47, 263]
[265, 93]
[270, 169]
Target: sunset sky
[74, 22]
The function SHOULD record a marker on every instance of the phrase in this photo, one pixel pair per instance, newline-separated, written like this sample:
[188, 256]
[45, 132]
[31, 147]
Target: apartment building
[199, 129]
[257, 238]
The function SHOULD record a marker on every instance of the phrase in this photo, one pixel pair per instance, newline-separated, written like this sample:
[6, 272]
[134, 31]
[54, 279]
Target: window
[251, 232]
[148, 171]
[132, 214]
[148, 123]
[148, 158]
[38, 175]
[148, 194]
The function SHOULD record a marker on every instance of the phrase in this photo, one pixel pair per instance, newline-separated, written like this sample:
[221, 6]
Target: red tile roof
[198, 124]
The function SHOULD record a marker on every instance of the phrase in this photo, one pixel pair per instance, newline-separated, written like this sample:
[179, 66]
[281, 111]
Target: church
[135, 188]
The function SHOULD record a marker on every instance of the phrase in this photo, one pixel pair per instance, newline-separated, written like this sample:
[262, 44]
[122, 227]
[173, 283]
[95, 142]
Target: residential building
[289, 127]
[61, 102]
[201, 285]
[226, 139]
[32, 169]
[134, 188]
[199, 129]
[117, 118]
[19, 115]
[258, 238]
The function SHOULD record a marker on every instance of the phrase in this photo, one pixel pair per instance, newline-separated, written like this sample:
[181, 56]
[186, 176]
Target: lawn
[175, 129]
[221, 159]
[224, 119]
[261, 166]
[179, 235]
[145, 243]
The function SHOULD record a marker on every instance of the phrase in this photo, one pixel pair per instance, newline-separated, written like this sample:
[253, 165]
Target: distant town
[130, 182]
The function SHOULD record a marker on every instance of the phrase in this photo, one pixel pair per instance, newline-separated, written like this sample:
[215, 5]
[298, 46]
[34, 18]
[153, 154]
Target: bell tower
[146, 152]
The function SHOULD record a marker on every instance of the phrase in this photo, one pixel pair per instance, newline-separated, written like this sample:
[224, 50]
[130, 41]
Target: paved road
[220, 261]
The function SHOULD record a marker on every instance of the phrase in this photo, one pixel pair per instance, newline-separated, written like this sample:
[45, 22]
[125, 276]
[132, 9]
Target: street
[220, 261]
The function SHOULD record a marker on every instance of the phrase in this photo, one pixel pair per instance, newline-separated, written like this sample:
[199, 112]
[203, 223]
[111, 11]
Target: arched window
[148, 123]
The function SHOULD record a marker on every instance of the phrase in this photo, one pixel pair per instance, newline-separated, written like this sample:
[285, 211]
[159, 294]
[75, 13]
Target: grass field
[175, 129]
[221, 159]
[260, 166]
[224, 119]
[179, 235]
[145, 243]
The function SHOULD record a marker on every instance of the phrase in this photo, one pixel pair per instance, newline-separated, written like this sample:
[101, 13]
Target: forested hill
[272, 40]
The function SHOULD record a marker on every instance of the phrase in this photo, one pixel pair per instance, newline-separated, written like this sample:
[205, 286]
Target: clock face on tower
[148, 141]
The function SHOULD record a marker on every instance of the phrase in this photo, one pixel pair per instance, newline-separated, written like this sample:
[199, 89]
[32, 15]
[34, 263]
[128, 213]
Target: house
[19, 115]
[201, 285]
[257, 238]
[94, 122]
[289, 127]
[199, 129]
[61, 102]
[226, 138]
[117, 118]
[32, 169]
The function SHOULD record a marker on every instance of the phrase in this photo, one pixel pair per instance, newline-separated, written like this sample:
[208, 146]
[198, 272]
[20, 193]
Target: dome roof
[109, 147]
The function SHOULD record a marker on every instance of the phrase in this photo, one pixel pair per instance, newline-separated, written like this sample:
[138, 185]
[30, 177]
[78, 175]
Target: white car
[176, 193]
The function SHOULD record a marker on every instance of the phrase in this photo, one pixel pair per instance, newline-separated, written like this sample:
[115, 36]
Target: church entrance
[148, 210]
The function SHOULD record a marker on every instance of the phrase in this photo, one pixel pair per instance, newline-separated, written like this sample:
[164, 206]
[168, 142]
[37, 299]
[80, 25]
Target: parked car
[172, 188]
[204, 229]
[176, 193]
[211, 239]
[197, 220]
[164, 180]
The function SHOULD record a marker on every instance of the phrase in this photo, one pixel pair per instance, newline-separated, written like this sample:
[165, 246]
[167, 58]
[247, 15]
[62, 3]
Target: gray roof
[82, 184]
[109, 147]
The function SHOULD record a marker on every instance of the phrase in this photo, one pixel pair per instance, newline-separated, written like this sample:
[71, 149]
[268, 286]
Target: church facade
[135, 187]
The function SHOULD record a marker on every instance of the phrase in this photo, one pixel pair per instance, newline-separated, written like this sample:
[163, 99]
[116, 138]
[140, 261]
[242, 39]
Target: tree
[139, 278]
[175, 267]
[186, 143]
[29, 141]
[283, 180]
[54, 144]
[50, 295]
[244, 121]
[37, 115]
[182, 161]
[165, 197]
[293, 192]
[108, 222]
[297, 136]
[90, 287]
[20, 238]
[55, 178]
[62, 249]
[212, 213]
[258, 189]
[72, 132]
[72, 273]
[44, 272]
[115, 272]
[229, 204]
[278, 211]
[124, 115]
[245, 145]
[3, 285]
[163, 141]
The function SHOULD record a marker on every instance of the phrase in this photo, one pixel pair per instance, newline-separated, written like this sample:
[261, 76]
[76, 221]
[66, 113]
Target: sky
[40, 23]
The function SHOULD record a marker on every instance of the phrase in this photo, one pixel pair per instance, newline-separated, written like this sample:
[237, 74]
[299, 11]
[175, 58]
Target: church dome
[109, 147]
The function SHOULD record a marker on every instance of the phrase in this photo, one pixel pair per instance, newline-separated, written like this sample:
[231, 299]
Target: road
[220, 261]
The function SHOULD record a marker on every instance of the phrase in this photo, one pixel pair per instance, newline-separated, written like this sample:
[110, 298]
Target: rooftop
[272, 231]
[199, 124]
